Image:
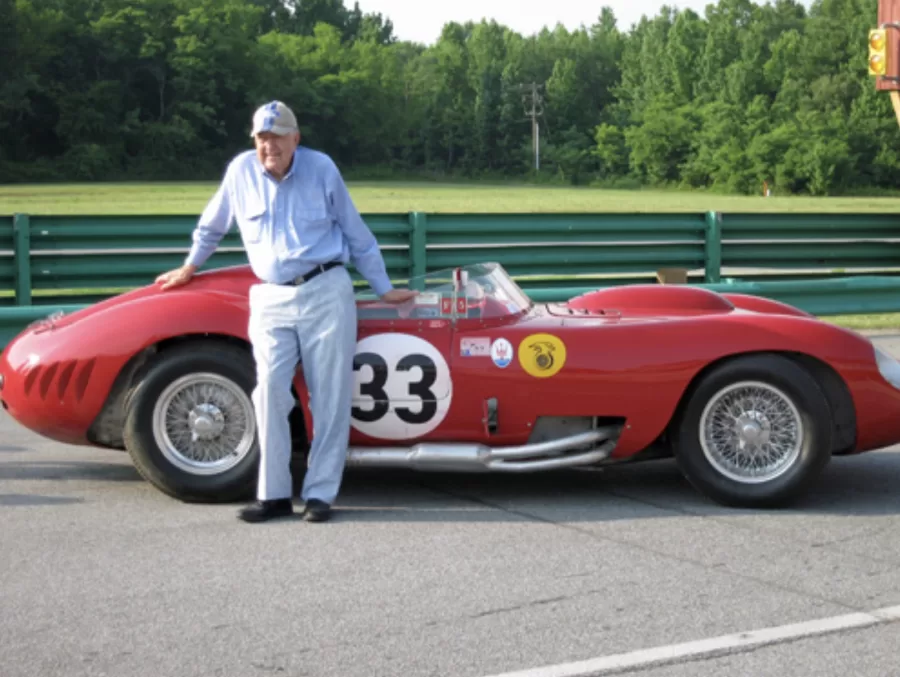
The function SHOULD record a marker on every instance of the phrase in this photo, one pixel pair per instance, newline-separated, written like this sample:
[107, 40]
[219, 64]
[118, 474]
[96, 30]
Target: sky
[413, 22]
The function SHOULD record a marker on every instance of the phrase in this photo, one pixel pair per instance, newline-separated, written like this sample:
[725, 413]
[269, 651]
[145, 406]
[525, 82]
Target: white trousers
[313, 323]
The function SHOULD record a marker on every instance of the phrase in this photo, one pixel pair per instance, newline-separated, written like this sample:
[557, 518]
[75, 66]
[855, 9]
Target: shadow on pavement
[33, 500]
[69, 470]
[864, 485]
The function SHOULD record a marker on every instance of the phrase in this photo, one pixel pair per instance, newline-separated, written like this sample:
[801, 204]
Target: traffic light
[878, 52]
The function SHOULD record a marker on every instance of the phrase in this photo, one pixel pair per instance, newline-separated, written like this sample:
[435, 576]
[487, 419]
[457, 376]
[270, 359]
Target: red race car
[752, 397]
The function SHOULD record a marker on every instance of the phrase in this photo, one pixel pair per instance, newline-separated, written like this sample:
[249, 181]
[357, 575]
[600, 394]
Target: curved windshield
[481, 291]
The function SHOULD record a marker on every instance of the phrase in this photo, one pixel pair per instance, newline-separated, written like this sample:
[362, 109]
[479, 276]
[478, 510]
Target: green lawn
[382, 197]
[863, 323]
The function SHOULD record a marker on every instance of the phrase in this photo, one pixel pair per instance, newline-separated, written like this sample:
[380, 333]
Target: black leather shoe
[266, 510]
[316, 511]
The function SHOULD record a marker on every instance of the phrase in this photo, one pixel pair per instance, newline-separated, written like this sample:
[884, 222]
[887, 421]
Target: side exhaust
[461, 457]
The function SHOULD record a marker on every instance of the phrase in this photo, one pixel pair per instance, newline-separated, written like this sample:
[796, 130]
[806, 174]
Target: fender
[114, 336]
[151, 319]
[154, 319]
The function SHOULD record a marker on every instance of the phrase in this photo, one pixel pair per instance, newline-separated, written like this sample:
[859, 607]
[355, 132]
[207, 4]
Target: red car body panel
[629, 353]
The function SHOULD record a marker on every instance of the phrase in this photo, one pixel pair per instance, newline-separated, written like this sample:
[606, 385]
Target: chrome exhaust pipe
[462, 457]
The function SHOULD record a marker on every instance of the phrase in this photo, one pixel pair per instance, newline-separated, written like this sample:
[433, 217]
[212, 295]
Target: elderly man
[299, 228]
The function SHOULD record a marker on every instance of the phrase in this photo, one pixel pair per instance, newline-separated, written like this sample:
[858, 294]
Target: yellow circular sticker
[542, 355]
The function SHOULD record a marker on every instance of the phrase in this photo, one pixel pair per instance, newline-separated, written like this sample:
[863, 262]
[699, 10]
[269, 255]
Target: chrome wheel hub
[751, 432]
[204, 423]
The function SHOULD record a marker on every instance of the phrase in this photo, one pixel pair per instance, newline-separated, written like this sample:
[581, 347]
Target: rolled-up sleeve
[213, 224]
[364, 250]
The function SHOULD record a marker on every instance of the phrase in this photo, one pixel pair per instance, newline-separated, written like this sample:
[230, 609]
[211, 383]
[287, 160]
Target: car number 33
[401, 388]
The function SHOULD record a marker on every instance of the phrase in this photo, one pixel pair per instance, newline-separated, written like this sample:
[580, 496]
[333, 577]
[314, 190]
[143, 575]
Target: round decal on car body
[401, 387]
[542, 355]
[501, 352]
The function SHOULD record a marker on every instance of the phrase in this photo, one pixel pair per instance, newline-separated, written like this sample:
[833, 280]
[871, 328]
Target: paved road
[440, 575]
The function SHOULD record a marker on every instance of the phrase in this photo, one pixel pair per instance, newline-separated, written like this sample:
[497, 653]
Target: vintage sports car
[750, 396]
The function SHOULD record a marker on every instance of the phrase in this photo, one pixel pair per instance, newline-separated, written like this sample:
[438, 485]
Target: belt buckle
[307, 276]
[302, 279]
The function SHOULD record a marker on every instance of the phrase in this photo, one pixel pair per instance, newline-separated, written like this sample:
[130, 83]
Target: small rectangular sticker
[428, 298]
[475, 347]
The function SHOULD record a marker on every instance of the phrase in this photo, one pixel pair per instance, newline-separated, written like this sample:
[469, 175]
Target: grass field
[386, 197]
[864, 323]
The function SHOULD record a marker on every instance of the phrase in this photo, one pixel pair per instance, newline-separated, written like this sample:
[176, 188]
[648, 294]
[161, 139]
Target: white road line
[764, 636]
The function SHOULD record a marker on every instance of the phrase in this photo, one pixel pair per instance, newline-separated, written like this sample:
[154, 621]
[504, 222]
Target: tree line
[164, 89]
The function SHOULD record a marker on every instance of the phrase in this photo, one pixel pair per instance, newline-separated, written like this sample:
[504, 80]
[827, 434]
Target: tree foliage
[164, 89]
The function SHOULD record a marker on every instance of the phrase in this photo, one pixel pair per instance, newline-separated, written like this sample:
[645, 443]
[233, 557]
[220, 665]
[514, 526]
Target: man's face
[275, 152]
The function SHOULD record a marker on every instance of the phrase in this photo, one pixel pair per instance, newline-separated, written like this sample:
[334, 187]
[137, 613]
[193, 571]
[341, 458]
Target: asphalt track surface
[563, 574]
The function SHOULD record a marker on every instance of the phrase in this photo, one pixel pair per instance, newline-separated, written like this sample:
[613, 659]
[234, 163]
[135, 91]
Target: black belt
[318, 270]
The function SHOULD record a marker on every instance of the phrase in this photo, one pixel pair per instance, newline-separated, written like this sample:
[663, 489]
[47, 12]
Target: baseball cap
[274, 117]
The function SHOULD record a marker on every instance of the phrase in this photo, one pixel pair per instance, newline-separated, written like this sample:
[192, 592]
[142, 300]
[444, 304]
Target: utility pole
[534, 106]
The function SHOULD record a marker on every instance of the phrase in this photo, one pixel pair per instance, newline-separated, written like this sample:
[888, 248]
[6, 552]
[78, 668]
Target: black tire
[779, 377]
[234, 368]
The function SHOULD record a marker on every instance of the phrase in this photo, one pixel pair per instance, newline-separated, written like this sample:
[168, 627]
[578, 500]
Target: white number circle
[401, 388]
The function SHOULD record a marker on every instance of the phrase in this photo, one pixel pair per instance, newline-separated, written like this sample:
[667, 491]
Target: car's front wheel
[754, 432]
[190, 428]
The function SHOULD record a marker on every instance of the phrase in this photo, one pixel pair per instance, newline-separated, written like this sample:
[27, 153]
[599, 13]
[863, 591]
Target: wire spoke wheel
[204, 423]
[751, 432]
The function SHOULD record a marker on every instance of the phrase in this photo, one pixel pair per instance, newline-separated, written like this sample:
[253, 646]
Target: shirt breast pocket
[252, 220]
[311, 222]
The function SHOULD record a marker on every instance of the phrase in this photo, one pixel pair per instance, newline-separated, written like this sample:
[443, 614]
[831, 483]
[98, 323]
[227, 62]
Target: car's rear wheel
[754, 432]
[190, 428]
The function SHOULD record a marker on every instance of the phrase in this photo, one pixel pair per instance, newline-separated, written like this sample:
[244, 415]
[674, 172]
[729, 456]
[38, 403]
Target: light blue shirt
[291, 226]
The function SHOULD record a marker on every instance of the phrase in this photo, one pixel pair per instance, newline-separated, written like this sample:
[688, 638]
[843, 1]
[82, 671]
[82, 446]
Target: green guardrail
[80, 259]
[823, 263]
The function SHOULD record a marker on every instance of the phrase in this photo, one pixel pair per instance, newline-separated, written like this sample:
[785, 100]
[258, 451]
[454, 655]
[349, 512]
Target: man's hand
[177, 277]
[399, 295]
